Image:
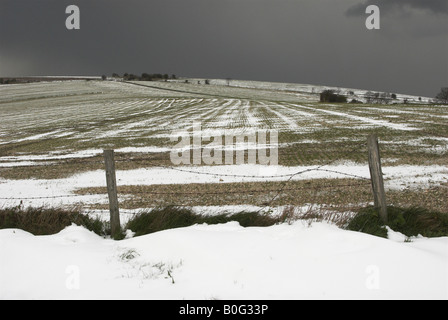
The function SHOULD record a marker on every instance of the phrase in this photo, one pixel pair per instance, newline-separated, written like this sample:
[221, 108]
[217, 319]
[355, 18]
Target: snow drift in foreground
[224, 261]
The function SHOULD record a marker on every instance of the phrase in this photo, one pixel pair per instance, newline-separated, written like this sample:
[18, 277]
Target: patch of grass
[408, 221]
[368, 221]
[338, 216]
[59, 169]
[53, 171]
[299, 192]
[252, 219]
[160, 219]
[46, 221]
[164, 218]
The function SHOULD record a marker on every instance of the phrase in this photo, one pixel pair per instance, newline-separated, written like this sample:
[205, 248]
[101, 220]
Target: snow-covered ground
[298, 261]
[98, 113]
[224, 261]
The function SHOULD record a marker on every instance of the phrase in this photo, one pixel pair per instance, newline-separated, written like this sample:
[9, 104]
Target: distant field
[52, 131]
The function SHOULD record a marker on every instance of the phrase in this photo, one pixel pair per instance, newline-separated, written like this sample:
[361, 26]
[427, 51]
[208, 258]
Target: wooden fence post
[376, 174]
[112, 192]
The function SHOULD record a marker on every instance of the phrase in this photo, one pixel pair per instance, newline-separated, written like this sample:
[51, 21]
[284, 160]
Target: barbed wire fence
[279, 188]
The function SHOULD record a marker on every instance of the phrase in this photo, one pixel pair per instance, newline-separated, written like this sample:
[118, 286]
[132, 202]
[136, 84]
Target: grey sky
[439, 7]
[303, 41]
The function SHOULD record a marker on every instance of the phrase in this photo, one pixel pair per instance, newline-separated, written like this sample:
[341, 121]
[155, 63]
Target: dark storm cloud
[387, 6]
[301, 41]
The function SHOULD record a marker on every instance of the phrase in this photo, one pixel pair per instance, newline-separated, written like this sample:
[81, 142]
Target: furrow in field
[252, 121]
[288, 123]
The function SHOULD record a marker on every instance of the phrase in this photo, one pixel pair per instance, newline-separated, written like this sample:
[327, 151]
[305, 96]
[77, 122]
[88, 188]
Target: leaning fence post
[376, 174]
[112, 192]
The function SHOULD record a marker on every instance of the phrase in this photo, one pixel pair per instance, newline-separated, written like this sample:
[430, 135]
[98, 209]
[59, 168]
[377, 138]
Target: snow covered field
[38, 145]
[50, 127]
[51, 141]
[96, 111]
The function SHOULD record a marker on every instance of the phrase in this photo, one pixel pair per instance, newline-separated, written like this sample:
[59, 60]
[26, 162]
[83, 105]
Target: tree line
[144, 76]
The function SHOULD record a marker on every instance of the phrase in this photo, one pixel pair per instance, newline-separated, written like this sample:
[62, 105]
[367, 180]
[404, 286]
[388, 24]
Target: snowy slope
[224, 261]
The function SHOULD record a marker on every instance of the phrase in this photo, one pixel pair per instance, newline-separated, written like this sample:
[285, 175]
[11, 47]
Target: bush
[408, 221]
[331, 96]
[41, 221]
[252, 219]
[161, 219]
[442, 96]
[164, 218]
